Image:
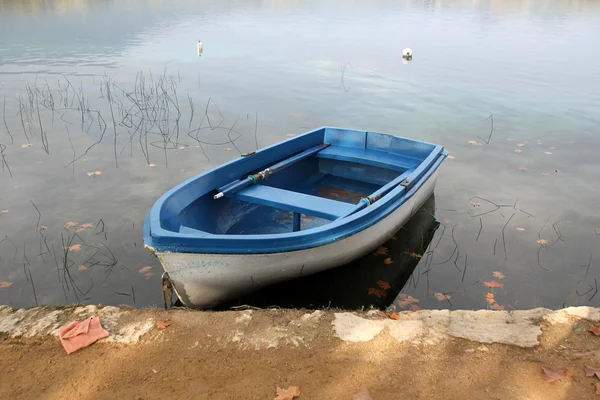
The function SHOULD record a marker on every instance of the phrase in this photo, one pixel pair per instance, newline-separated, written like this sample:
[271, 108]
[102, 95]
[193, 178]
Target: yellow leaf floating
[5, 284]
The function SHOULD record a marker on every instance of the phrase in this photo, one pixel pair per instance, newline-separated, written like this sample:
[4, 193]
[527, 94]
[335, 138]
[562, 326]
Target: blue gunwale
[163, 240]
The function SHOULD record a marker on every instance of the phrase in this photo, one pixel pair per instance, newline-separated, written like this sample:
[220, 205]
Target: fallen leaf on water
[388, 261]
[362, 395]
[595, 330]
[162, 324]
[380, 250]
[145, 269]
[26, 145]
[394, 315]
[474, 204]
[520, 144]
[518, 151]
[384, 285]
[181, 147]
[521, 229]
[414, 307]
[148, 275]
[546, 173]
[5, 284]
[86, 225]
[551, 374]
[494, 284]
[290, 134]
[498, 275]
[287, 394]
[591, 371]
[70, 224]
[377, 292]
[451, 157]
[94, 173]
[522, 169]
[227, 148]
[415, 255]
[489, 297]
[552, 148]
[41, 228]
[474, 143]
[447, 221]
[81, 268]
[3, 212]
[76, 248]
[548, 152]
[441, 296]
[496, 306]
[152, 165]
[406, 299]
[510, 139]
[543, 242]
[182, 170]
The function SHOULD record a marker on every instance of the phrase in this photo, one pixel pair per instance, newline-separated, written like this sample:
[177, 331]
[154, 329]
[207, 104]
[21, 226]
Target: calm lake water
[510, 88]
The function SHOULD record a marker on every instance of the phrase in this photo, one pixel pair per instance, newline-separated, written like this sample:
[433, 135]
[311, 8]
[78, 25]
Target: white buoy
[200, 47]
[407, 53]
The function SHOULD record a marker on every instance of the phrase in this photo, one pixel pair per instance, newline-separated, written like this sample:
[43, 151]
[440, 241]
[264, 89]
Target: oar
[253, 179]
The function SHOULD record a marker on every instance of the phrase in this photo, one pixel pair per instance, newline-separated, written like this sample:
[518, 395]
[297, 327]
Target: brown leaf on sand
[591, 371]
[441, 296]
[4, 284]
[498, 275]
[94, 173]
[377, 292]
[162, 324]
[388, 261]
[384, 285]
[494, 284]
[595, 330]
[287, 394]
[406, 299]
[145, 269]
[380, 251]
[551, 374]
[362, 395]
[76, 248]
[597, 388]
[394, 315]
[81, 268]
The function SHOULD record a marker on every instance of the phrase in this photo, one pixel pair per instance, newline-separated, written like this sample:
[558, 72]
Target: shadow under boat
[355, 285]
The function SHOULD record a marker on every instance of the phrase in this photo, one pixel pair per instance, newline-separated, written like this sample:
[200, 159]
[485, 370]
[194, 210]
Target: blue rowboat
[313, 202]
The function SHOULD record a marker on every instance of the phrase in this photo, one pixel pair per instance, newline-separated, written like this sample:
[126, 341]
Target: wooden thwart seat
[292, 201]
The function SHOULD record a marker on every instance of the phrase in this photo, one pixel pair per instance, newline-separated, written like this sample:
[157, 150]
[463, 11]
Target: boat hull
[205, 280]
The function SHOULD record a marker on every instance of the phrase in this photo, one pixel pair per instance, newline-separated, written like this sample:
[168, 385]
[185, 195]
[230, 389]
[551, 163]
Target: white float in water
[200, 47]
[407, 53]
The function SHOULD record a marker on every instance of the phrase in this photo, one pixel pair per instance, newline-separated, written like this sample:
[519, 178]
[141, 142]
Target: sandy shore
[327, 354]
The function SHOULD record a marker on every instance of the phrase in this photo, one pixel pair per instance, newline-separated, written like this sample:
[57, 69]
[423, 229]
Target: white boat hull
[205, 280]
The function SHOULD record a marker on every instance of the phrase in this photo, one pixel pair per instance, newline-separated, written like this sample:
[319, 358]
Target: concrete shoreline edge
[274, 327]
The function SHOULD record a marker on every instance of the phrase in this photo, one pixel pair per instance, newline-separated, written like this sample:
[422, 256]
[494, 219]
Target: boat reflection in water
[373, 280]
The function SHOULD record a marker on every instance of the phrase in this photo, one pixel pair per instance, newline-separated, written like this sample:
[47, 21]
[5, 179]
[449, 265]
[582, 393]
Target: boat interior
[311, 192]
